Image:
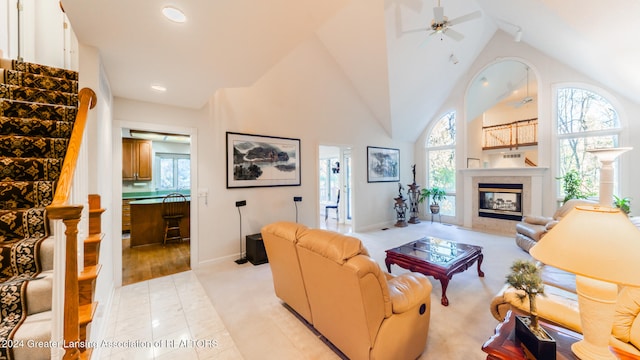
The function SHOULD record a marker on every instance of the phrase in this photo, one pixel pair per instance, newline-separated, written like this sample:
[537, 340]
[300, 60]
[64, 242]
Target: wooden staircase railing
[511, 135]
[70, 216]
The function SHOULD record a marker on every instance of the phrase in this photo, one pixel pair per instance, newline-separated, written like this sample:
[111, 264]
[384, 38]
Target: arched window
[441, 160]
[586, 120]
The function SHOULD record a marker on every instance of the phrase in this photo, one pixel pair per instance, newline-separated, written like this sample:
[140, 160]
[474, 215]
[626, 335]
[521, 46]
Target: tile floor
[166, 318]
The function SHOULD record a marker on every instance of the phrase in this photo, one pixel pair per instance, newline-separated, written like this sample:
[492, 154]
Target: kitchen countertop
[151, 194]
[155, 200]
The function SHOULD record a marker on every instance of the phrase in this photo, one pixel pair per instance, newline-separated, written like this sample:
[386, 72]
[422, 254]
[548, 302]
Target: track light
[518, 35]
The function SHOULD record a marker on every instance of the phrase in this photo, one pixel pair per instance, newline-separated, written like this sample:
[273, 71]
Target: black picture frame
[262, 161]
[383, 164]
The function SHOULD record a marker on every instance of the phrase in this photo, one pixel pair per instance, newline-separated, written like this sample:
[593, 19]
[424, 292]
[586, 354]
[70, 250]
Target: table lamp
[601, 246]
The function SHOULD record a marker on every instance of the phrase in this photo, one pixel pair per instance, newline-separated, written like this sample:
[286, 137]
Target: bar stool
[173, 209]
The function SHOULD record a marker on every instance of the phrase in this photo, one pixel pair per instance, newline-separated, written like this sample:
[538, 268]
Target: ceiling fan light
[174, 14]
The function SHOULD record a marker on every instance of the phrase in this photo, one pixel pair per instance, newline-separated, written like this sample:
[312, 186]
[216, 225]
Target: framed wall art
[258, 160]
[383, 164]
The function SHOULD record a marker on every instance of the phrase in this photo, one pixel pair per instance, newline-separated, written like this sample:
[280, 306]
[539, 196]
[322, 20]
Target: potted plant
[436, 194]
[525, 276]
[572, 185]
[624, 204]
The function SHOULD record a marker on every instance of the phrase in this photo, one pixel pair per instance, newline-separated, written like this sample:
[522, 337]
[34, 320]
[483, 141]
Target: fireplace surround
[531, 179]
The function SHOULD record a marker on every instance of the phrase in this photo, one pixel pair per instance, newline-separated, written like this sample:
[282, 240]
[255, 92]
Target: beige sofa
[532, 228]
[560, 305]
[330, 280]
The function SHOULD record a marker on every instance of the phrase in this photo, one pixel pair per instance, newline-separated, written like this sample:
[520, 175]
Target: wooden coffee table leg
[444, 282]
[480, 258]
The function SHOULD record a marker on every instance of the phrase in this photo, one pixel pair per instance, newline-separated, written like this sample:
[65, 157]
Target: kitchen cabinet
[136, 159]
[126, 215]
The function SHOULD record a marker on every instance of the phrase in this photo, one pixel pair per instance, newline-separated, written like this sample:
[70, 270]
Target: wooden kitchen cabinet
[126, 215]
[136, 159]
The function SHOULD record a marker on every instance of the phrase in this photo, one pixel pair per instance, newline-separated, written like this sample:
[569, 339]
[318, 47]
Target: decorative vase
[541, 347]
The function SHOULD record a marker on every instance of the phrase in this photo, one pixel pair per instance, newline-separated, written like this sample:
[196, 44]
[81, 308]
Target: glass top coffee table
[436, 257]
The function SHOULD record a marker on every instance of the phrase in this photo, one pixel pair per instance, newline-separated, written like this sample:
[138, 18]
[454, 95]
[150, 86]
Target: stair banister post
[70, 216]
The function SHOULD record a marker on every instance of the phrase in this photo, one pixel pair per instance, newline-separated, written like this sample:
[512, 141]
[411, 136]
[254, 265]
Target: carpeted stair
[38, 106]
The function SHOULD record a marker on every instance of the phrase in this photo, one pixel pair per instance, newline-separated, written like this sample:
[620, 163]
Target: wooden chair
[326, 209]
[174, 207]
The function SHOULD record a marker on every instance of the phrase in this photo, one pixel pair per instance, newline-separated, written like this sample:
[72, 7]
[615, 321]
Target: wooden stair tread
[89, 272]
[86, 312]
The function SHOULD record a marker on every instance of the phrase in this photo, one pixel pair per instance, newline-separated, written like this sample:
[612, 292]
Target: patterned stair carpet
[38, 106]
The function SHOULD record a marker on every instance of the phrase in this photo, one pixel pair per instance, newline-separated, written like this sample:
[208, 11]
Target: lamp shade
[593, 241]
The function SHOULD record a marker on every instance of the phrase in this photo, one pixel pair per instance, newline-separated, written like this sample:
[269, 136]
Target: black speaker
[255, 249]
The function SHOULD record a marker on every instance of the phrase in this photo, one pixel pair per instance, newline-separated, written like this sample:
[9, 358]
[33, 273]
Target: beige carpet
[263, 328]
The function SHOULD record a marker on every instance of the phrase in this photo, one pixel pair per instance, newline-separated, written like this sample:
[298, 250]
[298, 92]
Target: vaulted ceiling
[403, 77]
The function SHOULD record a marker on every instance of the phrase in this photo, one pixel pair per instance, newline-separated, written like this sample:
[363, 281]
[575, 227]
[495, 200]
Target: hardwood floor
[142, 263]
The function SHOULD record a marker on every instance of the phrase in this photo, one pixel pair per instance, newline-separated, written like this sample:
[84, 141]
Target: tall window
[441, 160]
[173, 171]
[586, 120]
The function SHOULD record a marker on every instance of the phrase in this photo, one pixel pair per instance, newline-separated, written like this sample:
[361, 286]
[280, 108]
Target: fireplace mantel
[530, 177]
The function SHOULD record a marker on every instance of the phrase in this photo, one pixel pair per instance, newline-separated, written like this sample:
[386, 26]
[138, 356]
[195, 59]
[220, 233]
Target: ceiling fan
[525, 100]
[442, 25]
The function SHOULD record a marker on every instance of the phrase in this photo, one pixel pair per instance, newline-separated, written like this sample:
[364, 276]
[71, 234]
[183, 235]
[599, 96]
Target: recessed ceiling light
[158, 88]
[174, 14]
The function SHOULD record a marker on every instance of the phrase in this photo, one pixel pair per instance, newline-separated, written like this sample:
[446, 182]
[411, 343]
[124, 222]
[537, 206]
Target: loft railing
[511, 135]
[70, 215]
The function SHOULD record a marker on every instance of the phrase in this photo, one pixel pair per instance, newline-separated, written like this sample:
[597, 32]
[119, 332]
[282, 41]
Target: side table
[504, 346]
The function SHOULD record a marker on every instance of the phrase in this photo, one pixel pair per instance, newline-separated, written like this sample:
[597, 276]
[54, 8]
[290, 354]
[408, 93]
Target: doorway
[155, 164]
[335, 188]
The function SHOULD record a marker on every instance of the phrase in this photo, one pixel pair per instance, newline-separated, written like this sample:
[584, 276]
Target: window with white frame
[441, 160]
[585, 120]
[173, 171]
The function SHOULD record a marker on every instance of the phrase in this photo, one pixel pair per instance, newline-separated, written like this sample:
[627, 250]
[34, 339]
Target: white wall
[305, 96]
[548, 72]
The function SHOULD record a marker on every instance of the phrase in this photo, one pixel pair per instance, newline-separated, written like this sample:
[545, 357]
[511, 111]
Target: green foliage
[572, 186]
[624, 204]
[437, 194]
[525, 276]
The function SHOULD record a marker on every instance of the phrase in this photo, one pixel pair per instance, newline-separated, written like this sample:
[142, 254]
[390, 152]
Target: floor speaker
[255, 249]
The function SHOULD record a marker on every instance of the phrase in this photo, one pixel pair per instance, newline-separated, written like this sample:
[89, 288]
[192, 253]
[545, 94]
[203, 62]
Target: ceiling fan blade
[438, 14]
[415, 30]
[453, 34]
[463, 18]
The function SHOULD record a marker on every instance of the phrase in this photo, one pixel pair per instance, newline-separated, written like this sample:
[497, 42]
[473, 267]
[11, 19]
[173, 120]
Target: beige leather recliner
[345, 295]
[532, 228]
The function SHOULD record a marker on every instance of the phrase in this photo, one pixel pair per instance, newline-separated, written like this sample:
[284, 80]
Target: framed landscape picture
[257, 160]
[383, 164]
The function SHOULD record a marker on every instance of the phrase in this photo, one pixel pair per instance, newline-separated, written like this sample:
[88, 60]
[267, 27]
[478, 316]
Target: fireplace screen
[500, 201]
